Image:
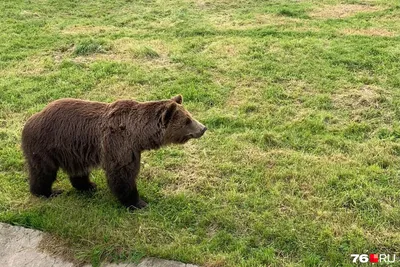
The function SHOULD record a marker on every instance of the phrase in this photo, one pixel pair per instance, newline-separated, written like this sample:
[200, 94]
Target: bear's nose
[204, 130]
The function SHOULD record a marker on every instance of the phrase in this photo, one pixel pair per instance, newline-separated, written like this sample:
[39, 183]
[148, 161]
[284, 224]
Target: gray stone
[20, 247]
[154, 262]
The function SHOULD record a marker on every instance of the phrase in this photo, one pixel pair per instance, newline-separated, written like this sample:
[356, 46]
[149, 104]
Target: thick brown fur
[78, 135]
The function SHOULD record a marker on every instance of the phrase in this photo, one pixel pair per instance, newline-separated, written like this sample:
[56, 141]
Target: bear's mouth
[198, 134]
[186, 138]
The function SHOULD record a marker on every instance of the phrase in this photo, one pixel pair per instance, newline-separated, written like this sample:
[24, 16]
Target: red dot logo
[374, 258]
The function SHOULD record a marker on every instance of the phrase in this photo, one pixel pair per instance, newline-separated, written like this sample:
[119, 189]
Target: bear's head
[179, 125]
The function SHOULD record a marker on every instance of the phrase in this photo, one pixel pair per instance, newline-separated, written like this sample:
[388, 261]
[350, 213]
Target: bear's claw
[92, 187]
[55, 193]
[139, 205]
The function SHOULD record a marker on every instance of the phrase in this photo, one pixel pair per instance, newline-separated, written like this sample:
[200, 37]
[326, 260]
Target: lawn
[301, 162]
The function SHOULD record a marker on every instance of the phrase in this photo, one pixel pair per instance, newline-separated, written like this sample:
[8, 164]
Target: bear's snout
[203, 130]
[200, 129]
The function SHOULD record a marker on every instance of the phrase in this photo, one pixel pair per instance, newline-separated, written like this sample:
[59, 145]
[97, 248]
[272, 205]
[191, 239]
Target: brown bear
[78, 135]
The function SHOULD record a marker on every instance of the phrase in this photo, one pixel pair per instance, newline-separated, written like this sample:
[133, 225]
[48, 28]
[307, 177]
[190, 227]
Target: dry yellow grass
[225, 21]
[364, 97]
[368, 32]
[88, 29]
[342, 10]
[116, 90]
[128, 50]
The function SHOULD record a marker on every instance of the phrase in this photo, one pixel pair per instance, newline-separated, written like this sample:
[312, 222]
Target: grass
[300, 166]
[88, 47]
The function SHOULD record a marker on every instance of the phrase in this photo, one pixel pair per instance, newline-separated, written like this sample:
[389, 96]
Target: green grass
[88, 47]
[300, 165]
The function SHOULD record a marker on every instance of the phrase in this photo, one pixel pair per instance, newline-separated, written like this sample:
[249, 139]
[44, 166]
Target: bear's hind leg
[82, 183]
[41, 178]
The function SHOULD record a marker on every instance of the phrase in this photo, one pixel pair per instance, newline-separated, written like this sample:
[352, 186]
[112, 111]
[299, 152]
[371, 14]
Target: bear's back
[67, 131]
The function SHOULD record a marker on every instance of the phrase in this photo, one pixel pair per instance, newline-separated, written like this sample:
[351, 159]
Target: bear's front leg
[121, 180]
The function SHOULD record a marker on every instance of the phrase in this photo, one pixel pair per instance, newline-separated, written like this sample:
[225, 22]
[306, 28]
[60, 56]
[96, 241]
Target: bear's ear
[178, 99]
[168, 113]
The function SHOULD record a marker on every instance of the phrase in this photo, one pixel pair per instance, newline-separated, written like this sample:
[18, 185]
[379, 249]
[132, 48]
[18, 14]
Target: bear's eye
[188, 121]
